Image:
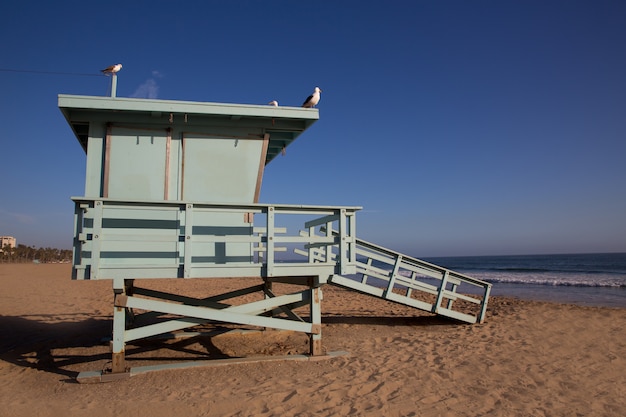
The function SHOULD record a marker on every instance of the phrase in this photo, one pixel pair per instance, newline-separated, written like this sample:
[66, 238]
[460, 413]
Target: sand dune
[529, 358]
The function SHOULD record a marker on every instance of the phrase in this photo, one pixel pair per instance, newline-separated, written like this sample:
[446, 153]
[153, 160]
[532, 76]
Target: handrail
[182, 239]
[395, 273]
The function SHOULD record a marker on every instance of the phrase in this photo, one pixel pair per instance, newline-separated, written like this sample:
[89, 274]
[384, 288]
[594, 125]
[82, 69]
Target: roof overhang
[283, 124]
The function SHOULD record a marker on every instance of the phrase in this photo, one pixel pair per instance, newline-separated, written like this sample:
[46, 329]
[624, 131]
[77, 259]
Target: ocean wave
[583, 271]
[555, 282]
[551, 278]
[543, 270]
[584, 264]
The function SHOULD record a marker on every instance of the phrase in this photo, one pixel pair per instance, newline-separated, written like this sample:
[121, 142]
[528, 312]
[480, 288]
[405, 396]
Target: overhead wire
[51, 72]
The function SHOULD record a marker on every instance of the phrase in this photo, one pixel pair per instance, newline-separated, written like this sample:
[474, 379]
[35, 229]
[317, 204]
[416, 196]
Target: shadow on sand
[56, 344]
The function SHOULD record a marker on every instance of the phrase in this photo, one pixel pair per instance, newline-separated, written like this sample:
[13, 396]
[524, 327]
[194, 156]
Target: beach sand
[527, 359]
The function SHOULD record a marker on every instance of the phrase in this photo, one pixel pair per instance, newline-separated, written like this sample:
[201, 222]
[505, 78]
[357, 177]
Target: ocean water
[585, 279]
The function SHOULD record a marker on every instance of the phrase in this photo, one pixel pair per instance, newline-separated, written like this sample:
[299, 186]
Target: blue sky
[461, 127]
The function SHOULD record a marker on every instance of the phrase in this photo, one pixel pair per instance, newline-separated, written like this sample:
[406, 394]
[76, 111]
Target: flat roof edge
[189, 107]
[215, 204]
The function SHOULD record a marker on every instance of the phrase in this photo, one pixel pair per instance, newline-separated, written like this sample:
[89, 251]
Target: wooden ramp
[402, 279]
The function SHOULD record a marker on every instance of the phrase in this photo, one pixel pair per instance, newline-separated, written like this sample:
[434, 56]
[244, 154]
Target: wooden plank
[243, 314]
[348, 283]
[457, 315]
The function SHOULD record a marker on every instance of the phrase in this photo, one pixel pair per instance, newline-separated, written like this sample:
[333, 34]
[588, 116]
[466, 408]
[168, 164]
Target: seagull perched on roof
[313, 99]
[112, 69]
[273, 103]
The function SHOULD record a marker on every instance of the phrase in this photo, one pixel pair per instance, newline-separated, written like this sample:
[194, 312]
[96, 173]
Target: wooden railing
[176, 239]
[388, 274]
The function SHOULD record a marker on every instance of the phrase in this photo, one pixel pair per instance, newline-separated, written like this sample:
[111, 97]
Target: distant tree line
[23, 254]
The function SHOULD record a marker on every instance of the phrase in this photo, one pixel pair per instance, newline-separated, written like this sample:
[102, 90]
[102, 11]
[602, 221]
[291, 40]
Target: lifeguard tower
[172, 191]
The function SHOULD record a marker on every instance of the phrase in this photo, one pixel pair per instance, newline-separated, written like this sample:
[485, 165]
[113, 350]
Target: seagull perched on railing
[313, 99]
[112, 69]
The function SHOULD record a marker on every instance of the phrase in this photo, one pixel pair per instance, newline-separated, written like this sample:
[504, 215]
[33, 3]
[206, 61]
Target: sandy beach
[528, 358]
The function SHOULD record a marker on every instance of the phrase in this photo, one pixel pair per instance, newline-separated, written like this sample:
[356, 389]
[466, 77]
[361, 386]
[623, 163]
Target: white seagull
[273, 103]
[112, 69]
[313, 99]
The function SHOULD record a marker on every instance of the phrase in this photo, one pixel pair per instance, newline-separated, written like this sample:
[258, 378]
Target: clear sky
[461, 127]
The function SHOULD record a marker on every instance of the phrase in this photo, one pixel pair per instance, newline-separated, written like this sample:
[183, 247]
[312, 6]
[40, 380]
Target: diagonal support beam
[286, 309]
[160, 328]
[243, 314]
[206, 302]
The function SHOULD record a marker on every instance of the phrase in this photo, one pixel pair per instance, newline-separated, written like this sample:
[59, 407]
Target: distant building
[7, 240]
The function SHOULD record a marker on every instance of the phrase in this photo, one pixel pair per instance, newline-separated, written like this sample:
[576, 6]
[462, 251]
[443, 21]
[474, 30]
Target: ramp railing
[390, 275]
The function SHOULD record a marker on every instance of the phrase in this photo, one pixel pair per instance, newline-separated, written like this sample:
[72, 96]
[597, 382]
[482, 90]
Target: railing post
[483, 305]
[310, 251]
[96, 239]
[270, 241]
[442, 289]
[328, 250]
[392, 276]
[352, 244]
[188, 245]
[343, 241]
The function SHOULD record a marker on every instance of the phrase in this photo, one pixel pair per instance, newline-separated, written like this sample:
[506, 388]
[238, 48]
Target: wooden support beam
[242, 314]
[315, 338]
[118, 361]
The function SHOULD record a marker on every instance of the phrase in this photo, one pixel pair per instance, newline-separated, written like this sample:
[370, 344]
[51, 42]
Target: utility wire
[50, 72]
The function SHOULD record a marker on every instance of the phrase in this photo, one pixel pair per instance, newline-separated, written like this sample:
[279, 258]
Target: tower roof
[283, 124]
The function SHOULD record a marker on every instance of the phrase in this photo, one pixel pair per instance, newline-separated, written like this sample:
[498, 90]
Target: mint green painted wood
[94, 168]
[247, 314]
[163, 150]
[400, 278]
[120, 239]
[173, 150]
[171, 191]
[226, 169]
[88, 116]
[137, 167]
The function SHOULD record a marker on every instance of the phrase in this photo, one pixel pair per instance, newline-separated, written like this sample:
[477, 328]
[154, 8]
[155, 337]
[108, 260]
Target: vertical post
[168, 145]
[352, 235]
[187, 268]
[315, 339]
[312, 251]
[483, 305]
[327, 251]
[392, 276]
[113, 85]
[269, 260]
[79, 239]
[98, 213]
[343, 243]
[442, 290]
[119, 327]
